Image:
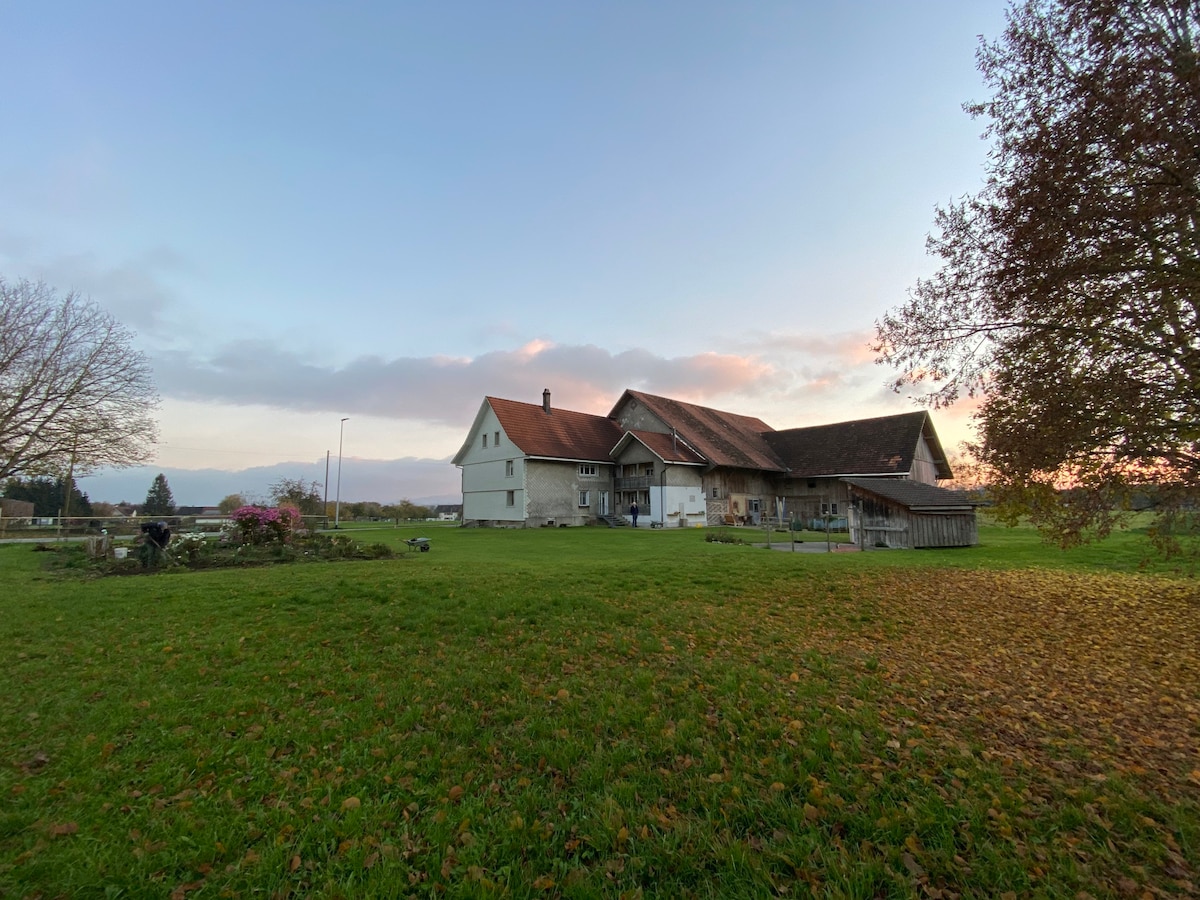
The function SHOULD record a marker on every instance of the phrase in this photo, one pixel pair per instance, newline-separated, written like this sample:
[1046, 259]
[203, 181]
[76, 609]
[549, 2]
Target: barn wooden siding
[943, 529]
[882, 522]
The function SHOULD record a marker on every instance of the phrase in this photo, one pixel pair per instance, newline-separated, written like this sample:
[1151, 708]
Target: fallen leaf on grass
[184, 889]
[37, 761]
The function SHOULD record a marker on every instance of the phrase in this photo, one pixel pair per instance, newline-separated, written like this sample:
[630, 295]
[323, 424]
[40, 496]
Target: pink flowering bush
[259, 525]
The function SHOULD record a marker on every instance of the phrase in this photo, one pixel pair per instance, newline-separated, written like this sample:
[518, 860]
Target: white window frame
[485, 440]
[496, 442]
[588, 470]
[509, 468]
[585, 499]
[510, 498]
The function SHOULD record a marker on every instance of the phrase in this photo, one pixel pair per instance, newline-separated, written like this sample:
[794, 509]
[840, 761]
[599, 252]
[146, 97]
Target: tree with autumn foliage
[1068, 295]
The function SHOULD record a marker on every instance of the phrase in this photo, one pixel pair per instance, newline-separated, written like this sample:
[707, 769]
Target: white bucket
[120, 552]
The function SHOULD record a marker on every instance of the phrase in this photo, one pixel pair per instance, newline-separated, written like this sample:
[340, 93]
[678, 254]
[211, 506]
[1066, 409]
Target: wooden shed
[899, 512]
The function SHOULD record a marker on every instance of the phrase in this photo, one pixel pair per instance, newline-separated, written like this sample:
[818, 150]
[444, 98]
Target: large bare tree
[74, 393]
[1068, 296]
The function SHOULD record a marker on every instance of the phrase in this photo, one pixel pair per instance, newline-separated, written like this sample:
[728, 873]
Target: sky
[386, 211]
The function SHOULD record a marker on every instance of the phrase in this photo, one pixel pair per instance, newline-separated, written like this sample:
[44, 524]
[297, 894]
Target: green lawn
[595, 712]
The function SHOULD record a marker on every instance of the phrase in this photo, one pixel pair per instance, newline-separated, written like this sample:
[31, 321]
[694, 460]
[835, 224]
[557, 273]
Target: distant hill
[428, 482]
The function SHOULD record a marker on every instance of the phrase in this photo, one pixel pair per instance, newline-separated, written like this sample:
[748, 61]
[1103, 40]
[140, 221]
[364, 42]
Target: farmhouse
[448, 512]
[528, 465]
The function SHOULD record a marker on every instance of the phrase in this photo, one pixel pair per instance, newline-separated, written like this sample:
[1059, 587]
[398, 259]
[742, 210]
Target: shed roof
[558, 434]
[722, 438]
[914, 495]
[886, 445]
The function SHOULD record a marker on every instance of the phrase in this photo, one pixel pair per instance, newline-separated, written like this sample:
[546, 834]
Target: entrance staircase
[614, 521]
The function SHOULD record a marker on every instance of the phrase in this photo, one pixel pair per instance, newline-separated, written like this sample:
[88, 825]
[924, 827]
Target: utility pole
[337, 503]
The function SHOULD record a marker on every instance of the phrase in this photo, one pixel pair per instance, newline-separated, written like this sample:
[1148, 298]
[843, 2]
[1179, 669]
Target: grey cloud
[444, 390]
[133, 291]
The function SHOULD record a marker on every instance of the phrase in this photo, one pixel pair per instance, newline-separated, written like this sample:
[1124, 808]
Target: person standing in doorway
[633, 513]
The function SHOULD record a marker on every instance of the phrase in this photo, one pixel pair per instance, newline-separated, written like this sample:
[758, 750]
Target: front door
[604, 503]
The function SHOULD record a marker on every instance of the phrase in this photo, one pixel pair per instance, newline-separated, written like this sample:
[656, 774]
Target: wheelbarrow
[418, 544]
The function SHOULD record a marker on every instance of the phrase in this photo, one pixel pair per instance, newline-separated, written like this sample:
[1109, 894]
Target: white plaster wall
[682, 496]
[493, 505]
[485, 484]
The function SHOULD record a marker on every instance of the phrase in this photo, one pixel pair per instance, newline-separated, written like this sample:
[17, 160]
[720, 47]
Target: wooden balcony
[633, 482]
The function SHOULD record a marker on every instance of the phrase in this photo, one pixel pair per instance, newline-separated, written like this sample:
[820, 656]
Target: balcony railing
[633, 482]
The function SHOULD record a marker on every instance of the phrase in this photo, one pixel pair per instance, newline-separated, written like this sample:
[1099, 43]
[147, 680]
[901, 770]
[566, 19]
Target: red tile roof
[558, 434]
[722, 438]
[886, 445]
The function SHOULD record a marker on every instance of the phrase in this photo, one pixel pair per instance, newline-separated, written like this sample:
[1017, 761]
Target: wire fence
[50, 527]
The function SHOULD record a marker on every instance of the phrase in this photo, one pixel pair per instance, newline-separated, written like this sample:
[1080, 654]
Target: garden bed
[195, 552]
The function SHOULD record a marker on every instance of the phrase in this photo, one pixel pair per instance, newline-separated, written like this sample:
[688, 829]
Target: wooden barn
[898, 512]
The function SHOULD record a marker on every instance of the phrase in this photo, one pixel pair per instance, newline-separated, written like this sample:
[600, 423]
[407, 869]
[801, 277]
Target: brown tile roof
[914, 495]
[662, 446]
[722, 438]
[883, 446]
[559, 434]
[867, 447]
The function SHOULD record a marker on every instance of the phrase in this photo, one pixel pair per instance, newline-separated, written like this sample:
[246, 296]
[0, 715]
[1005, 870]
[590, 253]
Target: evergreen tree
[48, 495]
[159, 501]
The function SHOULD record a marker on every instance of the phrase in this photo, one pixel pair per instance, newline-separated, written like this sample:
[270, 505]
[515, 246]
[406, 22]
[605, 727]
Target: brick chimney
[546, 401]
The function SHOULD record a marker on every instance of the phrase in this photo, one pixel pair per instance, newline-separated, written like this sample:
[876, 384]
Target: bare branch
[72, 387]
[1069, 287]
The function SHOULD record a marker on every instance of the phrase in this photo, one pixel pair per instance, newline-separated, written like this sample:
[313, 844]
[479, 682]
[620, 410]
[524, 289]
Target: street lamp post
[337, 503]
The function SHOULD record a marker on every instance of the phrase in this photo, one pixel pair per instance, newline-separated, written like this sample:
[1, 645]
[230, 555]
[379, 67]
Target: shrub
[189, 545]
[721, 537]
[258, 525]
